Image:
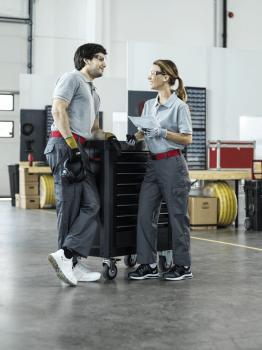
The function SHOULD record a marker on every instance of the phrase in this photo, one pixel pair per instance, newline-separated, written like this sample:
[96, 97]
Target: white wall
[191, 63]
[13, 44]
[182, 23]
[13, 61]
[13, 8]
[245, 28]
[234, 90]
[36, 90]
[113, 98]
[59, 28]
[248, 132]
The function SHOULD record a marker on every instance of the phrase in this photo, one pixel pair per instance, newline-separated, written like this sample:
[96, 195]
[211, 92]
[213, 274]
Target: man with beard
[75, 111]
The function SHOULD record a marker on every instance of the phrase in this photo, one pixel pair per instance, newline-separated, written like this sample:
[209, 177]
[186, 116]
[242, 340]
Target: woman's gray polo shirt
[173, 115]
[83, 100]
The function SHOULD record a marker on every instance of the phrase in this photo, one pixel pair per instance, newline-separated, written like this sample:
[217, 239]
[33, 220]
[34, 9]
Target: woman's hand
[156, 132]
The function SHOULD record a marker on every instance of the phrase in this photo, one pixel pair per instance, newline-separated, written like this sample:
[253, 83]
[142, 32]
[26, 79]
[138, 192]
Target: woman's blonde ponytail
[181, 91]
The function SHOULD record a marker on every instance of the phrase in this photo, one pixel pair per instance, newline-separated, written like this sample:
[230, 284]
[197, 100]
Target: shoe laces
[143, 267]
[178, 268]
[175, 268]
[82, 267]
[64, 259]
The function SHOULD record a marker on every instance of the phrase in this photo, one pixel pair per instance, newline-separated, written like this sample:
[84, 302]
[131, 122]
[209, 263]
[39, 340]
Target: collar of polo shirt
[90, 82]
[84, 77]
[169, 102]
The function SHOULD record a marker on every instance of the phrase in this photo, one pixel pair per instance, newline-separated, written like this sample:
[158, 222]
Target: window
[6, 129]
[250, 130]
[120, 125]
[6, 102]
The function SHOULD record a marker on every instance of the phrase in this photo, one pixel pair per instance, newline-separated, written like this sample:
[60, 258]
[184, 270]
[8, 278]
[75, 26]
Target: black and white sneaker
[144, 271]
[177, 273]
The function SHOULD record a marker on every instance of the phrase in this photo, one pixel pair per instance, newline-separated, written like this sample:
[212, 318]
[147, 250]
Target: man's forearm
[61, 120]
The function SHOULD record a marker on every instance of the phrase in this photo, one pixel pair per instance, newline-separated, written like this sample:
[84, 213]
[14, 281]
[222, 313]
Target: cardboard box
[29, 202]
[257, 169]
[202, 211]
[17, 200]
[26, 177]
[230, 154]
[29, 189]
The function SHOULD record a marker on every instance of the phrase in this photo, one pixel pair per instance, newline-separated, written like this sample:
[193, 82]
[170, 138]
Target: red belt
[168, 154]
[81, 139]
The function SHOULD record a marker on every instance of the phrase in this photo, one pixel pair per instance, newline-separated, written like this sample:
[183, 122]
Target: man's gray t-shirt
[83, 100]
[173, 115]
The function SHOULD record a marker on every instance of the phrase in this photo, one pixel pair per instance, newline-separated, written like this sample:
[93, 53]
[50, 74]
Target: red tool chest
[230, 154]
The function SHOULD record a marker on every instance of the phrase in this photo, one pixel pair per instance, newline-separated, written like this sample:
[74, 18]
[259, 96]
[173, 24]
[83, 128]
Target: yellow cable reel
[47, 191]
[227, 206]
[227, 201]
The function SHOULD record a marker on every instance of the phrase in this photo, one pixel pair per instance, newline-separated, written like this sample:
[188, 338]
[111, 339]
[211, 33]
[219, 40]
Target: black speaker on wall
[32, 134]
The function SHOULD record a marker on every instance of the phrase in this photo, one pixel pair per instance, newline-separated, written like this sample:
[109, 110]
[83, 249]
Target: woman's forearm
[183, 139]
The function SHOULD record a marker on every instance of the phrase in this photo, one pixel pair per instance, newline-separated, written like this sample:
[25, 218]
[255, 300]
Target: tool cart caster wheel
[109, 273]
[247, 224]
[130, 260]
[163, 264]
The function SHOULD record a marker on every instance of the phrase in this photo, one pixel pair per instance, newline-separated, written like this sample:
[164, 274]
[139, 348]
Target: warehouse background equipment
[230, 154]
[253, 202]
[227, 201]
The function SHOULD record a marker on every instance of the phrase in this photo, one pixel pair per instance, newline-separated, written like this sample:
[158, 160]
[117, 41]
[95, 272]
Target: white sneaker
[63, 267]
[83, 274]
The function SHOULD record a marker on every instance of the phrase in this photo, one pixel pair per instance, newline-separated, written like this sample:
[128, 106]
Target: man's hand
[156, 132]
[109, 135]
[74, 153]
[131, 140]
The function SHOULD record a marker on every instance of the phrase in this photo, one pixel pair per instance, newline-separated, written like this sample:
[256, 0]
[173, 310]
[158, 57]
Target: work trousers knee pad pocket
[179, 200]
[55, 154]
[49, 154]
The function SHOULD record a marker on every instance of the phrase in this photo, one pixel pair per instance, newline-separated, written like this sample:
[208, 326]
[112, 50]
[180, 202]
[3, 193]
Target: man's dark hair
[87, 51]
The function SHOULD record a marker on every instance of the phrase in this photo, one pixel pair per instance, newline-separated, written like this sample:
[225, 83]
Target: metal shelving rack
[196, 152]
[49, 120]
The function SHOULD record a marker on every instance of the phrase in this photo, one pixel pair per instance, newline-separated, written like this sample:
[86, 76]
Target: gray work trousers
[166, 179]
[77, 204]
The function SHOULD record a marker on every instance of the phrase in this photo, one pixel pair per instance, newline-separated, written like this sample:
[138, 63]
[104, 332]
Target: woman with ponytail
[167, 174]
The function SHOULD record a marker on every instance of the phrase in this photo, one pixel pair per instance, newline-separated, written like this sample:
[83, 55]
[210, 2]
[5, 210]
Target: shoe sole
[144, 277]
[181, 278]
[59, 272]
[91, 279]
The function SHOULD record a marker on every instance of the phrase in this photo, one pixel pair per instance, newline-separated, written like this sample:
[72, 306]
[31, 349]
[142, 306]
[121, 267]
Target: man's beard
[96, 74]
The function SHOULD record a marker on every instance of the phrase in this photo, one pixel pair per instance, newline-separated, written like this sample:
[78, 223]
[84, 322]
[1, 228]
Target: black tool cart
[253, 201]
[119, 176]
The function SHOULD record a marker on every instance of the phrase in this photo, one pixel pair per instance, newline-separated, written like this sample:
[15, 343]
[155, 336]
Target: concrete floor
[220, 308]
